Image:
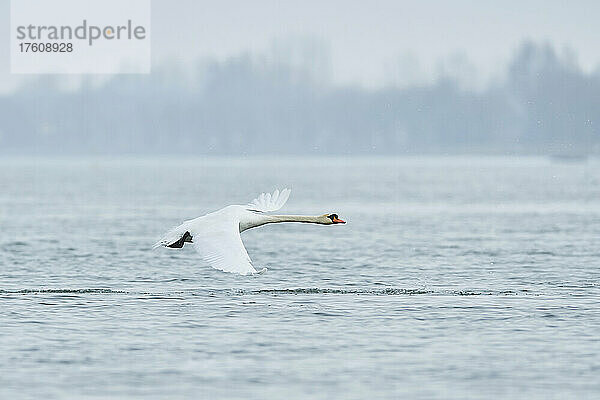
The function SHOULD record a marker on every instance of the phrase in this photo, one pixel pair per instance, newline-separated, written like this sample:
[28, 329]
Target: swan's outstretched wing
[267, 202]
[222, 248]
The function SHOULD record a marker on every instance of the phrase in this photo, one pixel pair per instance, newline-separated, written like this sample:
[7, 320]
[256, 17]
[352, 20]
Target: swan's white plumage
[220, 244]
[216, 236]
[267, 202]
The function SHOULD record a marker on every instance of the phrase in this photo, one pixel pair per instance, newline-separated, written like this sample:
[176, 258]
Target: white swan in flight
[216, 236]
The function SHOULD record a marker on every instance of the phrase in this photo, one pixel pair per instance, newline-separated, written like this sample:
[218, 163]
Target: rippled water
[454, 278]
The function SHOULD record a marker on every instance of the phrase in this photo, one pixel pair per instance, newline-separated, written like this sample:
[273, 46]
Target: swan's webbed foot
[262, 271]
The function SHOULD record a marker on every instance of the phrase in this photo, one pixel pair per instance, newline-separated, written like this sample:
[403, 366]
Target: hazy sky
[370, 43]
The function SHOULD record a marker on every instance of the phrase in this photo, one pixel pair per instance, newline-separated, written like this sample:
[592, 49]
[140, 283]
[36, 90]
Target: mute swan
[216, 236]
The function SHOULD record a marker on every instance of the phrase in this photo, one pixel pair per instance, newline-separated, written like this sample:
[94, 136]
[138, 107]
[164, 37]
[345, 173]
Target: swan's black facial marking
[335, 219]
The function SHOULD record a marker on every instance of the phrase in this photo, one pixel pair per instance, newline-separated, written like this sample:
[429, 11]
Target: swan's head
[331, 219]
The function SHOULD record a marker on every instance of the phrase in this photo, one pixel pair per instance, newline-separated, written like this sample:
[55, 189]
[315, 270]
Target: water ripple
[284, 291]
[64, 291]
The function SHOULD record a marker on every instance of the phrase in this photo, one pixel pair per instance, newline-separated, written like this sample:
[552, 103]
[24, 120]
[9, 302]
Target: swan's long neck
[273, 219]
[294, 218]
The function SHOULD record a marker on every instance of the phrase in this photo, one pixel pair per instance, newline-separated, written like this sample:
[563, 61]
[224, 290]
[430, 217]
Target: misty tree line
[545, 105]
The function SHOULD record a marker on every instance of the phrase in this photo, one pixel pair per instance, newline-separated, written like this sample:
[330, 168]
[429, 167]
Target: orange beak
[339, 221]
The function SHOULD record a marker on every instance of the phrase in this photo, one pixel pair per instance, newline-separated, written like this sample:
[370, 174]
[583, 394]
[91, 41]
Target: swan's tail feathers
[175, 238]
[267, 202]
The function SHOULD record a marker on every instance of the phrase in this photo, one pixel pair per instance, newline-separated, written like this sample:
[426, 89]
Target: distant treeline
[545, 104]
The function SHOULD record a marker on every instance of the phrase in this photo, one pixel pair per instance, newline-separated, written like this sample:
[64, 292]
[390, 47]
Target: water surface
[454, 278]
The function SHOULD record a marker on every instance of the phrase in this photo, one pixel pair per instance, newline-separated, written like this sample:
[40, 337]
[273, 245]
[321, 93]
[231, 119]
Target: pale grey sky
[370, 43]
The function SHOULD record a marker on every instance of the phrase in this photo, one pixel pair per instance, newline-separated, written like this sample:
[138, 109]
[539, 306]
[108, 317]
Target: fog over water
[342, 77]
[249, 104]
